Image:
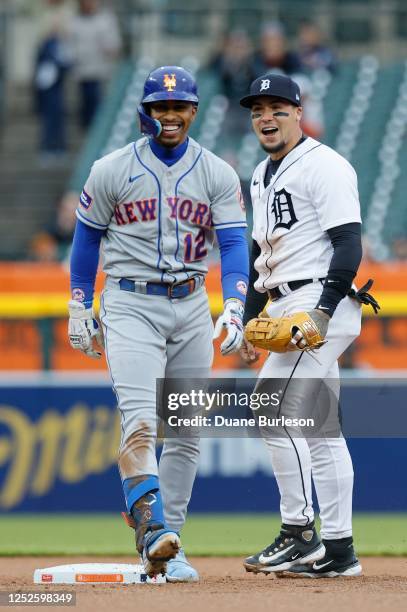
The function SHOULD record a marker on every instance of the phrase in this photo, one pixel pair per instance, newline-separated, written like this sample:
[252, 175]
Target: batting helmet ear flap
[148, 126]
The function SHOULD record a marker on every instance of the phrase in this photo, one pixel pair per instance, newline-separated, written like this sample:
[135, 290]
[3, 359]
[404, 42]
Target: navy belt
[176, 290]
[286, 288]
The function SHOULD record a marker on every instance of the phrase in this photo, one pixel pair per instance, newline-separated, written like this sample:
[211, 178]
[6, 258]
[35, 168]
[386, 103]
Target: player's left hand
[83, 328]
[321, 320]
[232, 320]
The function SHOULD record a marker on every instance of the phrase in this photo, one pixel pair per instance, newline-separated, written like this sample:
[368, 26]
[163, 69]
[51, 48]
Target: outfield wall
[59, 438]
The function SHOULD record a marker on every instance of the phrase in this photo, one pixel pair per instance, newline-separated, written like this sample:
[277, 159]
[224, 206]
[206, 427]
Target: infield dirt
[226, 587]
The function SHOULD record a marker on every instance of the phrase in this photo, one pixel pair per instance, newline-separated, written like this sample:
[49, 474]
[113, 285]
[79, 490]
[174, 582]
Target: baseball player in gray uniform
[155, 207]
[305, 254]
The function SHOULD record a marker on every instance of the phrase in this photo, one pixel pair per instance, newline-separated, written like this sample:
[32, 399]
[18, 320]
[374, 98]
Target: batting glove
[83, 328]
[232, 320]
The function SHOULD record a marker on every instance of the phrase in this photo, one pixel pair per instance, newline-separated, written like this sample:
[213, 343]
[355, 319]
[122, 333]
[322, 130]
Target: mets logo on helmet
[170, 82]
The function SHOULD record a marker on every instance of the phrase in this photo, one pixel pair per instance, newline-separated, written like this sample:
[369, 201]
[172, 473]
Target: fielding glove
[301, 331]
[83, 328]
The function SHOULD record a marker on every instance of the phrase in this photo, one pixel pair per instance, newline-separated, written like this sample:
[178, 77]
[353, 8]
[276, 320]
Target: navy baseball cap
[277, 85]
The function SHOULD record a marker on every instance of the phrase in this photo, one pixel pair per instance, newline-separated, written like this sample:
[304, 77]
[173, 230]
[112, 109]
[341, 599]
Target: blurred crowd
[79, 39]
[53, 243]
[238, 61]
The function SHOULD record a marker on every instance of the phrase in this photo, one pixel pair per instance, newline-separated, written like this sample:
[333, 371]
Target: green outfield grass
[208, 535]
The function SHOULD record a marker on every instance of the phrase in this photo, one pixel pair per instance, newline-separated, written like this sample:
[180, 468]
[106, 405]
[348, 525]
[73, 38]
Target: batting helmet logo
[170, 82]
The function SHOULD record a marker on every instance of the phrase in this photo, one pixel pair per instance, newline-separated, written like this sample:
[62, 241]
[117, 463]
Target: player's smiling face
[276, 124]
[175, 117]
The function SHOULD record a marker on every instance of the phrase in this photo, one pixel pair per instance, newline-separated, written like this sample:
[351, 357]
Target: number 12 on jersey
[194, 246]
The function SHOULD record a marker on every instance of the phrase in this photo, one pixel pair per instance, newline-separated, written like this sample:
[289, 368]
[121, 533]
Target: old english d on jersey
[313, 190]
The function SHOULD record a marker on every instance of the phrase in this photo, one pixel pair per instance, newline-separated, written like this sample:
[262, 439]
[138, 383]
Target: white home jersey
[313, 190]
[160, 220]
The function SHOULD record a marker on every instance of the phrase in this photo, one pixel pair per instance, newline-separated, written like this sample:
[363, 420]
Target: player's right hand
[83, 329]
[232, 321]
[248, 352]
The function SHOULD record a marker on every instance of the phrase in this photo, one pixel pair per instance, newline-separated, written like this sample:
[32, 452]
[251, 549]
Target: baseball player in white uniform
[306, 251]
[155, 207]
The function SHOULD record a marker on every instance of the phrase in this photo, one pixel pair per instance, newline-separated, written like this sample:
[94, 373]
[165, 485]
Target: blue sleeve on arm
[234, 254]
[84, 261]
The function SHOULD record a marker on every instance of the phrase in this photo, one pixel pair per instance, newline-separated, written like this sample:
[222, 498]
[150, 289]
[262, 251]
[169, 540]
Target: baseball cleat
[159, 547]
[293, 546]
[330, 566]
[180, 570]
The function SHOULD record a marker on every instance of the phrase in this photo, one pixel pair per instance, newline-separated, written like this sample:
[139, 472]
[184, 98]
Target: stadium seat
[337, 99]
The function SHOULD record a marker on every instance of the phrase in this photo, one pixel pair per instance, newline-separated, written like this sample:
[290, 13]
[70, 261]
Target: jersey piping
[278, 175]
[89, 221]
[159, 209]
[176, 218]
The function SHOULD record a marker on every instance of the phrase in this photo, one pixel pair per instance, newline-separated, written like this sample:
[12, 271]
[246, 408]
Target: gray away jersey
[160, 220]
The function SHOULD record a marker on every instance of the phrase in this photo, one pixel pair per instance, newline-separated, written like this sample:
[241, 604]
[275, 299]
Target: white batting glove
[232, 320]
[83, 328]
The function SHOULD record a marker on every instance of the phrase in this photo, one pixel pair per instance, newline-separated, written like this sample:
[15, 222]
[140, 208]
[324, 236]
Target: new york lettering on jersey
[172, 212]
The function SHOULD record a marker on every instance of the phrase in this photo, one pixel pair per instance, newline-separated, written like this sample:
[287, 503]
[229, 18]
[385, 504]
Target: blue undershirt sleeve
[84, 262]
[234, 254]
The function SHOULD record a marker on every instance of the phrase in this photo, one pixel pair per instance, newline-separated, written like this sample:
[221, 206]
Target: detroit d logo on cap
[265, 84]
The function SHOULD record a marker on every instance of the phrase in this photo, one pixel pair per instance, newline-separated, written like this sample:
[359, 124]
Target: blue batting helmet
[165, 83]
[170, 83]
